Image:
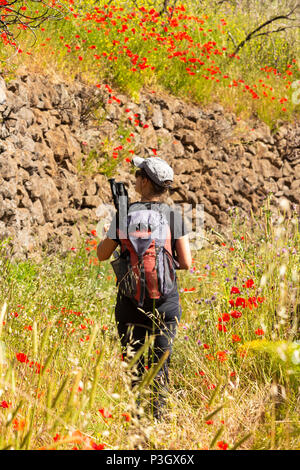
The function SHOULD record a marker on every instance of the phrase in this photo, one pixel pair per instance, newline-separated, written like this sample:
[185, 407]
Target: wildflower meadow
[234, 374]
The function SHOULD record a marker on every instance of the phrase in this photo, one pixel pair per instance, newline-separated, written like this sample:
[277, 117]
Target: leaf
[153, 371]
[213, 413]
[240, 442]
[140, 352]
[216, 437]
[214, 394]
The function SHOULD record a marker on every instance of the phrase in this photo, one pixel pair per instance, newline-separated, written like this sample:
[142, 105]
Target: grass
[234, 379]
[189, 56]
[235, 364]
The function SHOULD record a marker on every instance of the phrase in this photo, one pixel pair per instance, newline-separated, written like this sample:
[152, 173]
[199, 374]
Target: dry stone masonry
[48, 128]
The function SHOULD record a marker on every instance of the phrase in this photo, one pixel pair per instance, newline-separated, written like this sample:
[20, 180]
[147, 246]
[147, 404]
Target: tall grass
[234, 376]
[132, 47]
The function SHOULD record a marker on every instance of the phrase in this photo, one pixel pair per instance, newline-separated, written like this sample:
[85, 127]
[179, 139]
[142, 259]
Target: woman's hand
[106, 248]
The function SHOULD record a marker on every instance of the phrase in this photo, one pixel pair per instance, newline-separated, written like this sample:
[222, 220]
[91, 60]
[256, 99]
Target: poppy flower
[225, 317]
[235, 338]
[240, 301]
[235, 290]
[222, 356]
[222, 445]
[249, 284]
[105, 413]
[126, 416]
[259, 332]
[19, 425]
[236, 314]
[21, 357]
[221, 327]
[95, 446]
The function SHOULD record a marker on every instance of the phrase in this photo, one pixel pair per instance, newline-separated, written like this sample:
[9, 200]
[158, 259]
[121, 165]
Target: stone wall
[48, 127]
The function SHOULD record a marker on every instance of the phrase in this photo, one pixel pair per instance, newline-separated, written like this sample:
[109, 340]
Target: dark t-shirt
[179, 226]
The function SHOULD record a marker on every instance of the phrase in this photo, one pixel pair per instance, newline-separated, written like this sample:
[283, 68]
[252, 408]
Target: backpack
[145, 264]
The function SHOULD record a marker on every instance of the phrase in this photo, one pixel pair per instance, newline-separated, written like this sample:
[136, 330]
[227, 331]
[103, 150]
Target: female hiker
[158, 241]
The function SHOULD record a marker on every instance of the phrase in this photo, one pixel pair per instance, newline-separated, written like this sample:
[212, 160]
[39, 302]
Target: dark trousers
[133, 328]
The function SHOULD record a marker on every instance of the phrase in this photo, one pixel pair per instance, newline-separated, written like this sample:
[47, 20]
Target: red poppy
[236, 314]
[235, 290]
[240, 301]
[126, 416]
[221, 327]
[222, 356]
[97, 446]
[222, 445]
[236, 338]
[21, 357]
[259, 332]
[249, 284]
[225, 317]
[105, 413]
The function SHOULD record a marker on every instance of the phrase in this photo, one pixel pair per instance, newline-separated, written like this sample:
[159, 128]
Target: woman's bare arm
[183, 251]
[105, 249]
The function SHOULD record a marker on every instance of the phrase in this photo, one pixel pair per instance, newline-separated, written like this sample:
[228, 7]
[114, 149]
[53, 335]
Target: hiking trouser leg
[164, 338]
[132, 338]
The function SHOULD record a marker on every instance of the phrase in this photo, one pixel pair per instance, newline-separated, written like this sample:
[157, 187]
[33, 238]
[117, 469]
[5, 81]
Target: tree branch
[263, 25]
[11, 16]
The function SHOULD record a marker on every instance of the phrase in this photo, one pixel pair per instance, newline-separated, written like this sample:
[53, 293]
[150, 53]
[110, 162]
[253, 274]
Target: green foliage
[59, 315]
[92, 43]
[285, 353]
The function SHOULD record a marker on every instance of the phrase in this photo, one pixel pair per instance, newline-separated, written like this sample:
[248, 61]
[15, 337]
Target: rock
[149, 137]
[209, 220]
[37, 212]
[4, 132]
[263, 134]
[192, 114]
[26, 115]
[205, 160]
[217, 198]
[91, 201]
[8, 166]
[295, 186]
[22, 199]
[27, 144]
[14, 102]
[287, 169]
[168, 120]
[215, 157]
[8, 189]
[2, 91]
[157, 117]
[70, 215]
[178, 121]
[297, 171]
[55, 139]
